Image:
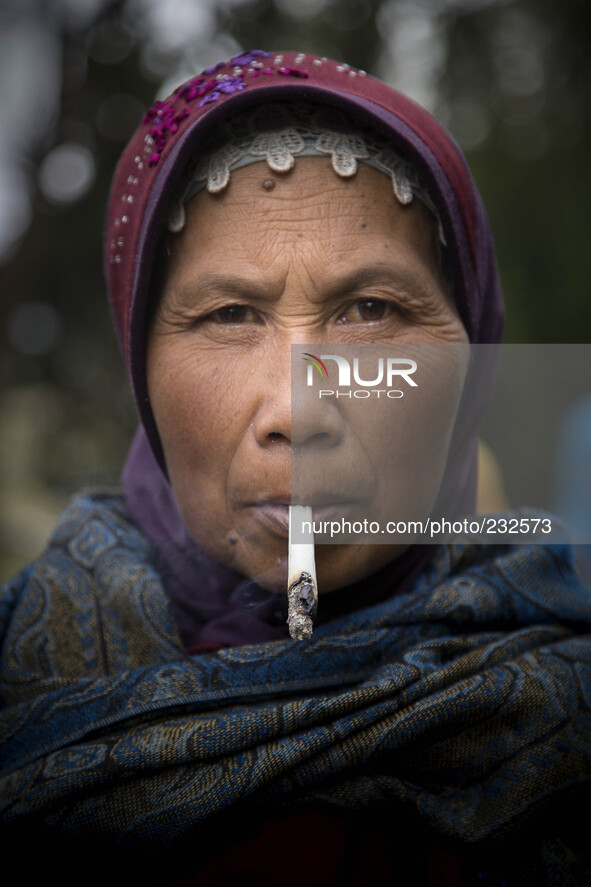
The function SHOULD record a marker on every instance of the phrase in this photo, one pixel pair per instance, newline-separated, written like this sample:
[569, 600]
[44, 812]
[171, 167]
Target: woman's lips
[275, 516]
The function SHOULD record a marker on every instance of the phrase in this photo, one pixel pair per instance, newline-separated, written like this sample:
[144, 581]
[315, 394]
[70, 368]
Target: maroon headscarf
[213, 604]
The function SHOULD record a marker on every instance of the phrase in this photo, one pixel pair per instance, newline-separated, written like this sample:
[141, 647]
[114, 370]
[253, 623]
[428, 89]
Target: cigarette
[302, 589]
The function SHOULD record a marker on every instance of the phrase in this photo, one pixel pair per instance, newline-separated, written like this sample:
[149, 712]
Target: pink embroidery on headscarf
[166, 118]
[293, 72]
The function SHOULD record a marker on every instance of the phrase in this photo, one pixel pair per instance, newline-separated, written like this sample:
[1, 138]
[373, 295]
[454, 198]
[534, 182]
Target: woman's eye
[371, 309]
[365, 311]
[233, 314]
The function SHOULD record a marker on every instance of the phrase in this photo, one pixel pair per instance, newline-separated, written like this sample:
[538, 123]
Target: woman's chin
[337, 566]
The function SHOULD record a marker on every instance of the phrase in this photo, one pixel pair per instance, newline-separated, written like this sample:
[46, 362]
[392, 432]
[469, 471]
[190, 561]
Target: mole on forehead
[309, 192]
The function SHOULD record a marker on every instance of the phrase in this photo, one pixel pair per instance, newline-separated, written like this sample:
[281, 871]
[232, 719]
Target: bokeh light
[33, 328]
[66, 173]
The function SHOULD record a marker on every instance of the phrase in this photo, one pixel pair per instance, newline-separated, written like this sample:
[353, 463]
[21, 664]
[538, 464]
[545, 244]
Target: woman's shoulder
[91, 602]
[95, 523]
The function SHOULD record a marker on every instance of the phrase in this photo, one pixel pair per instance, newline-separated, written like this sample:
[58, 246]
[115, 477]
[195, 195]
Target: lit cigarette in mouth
[302, 590]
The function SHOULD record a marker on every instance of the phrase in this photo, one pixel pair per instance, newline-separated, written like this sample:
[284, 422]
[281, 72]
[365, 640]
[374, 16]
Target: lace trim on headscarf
[278, 134]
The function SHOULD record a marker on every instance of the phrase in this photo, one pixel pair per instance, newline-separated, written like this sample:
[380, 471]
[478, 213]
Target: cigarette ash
[303, 605]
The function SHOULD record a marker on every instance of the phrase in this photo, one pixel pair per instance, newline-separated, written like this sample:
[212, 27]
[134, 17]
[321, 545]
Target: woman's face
[276, 260]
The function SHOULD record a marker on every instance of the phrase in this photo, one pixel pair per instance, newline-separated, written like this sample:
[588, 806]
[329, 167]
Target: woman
[433, 728]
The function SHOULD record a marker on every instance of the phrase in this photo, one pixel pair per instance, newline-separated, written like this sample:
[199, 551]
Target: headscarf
[224, 606]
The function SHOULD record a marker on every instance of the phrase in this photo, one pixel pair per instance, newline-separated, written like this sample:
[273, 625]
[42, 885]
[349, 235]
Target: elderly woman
[434, 729]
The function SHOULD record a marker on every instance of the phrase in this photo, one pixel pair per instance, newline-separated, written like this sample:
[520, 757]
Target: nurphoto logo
[389, 371]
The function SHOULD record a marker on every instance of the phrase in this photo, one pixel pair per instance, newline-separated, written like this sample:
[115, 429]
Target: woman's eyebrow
[410, 282]
[229, 284]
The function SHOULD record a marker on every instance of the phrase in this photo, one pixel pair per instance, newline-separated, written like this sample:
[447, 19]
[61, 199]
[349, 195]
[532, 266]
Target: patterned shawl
[467, 700]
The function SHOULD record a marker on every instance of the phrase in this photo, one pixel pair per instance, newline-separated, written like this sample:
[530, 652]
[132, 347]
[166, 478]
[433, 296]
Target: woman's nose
[291, 412]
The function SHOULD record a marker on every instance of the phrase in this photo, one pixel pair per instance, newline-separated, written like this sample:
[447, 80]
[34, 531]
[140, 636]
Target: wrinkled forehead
[307, 224]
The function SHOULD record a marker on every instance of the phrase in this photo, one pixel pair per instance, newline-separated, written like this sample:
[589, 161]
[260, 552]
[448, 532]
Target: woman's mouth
[274, 516]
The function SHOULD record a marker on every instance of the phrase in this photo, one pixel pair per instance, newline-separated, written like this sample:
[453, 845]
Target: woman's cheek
[189, 396]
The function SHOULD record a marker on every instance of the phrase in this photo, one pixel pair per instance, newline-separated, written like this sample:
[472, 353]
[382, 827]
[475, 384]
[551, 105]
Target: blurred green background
[511, 80]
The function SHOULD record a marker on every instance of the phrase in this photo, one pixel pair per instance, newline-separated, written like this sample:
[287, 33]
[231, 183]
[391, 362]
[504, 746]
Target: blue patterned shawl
[467, 699]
